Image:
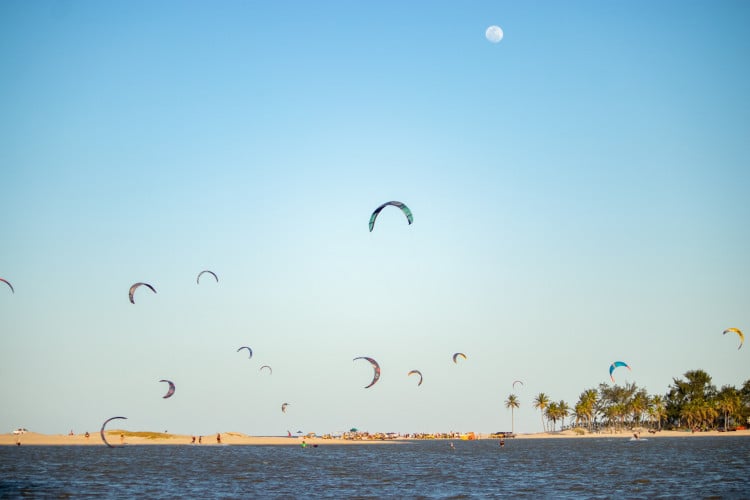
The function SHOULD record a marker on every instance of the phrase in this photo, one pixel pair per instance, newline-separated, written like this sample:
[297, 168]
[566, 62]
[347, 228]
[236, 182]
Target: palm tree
[696, 388]
[580, 413]
[638, 405]
[657, 408]
[563, 410]
[588, 400]
[610, 415]
[699, 413]
[557, 411]
[540, 403]
[553, 410]
[728, 402]
[512, 403]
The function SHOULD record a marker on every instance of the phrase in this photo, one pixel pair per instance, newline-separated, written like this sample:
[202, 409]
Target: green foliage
[147, 435]
[691, 402]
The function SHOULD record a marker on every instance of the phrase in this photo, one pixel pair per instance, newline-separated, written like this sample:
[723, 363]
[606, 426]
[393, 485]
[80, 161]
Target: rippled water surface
[704, 467]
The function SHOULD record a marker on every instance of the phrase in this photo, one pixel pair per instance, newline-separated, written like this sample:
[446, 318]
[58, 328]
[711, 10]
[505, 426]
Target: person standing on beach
[218, 438]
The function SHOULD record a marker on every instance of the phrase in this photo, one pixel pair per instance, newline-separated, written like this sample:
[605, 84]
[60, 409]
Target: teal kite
[614, 365]
[404, 209]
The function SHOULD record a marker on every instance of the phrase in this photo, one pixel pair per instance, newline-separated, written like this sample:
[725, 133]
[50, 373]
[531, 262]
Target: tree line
[691, 402]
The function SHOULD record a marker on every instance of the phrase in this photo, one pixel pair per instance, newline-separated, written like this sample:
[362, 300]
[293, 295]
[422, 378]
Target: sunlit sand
[236, 438]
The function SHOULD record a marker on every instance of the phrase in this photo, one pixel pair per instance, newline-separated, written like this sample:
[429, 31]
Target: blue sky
[578, 189]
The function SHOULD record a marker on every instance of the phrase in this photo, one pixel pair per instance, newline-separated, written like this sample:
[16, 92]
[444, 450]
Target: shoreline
[627, 434]
[240, 439]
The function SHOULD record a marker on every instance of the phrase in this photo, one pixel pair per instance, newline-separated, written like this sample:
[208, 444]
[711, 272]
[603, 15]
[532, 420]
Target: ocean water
[705, 467]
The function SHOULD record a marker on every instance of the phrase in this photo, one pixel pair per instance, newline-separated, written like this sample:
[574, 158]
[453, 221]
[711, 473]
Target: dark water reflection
[703, 467]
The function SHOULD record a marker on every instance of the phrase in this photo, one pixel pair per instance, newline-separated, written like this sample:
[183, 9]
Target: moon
[494, 34]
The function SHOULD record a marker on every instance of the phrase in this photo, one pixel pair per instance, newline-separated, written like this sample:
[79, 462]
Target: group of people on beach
[200, 439]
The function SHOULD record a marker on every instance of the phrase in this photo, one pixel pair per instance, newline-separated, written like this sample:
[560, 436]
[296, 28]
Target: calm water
[562, 468]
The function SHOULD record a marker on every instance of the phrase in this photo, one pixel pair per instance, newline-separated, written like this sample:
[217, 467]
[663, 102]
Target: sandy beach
[628, 434]
[156, 438]
[237, 438]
